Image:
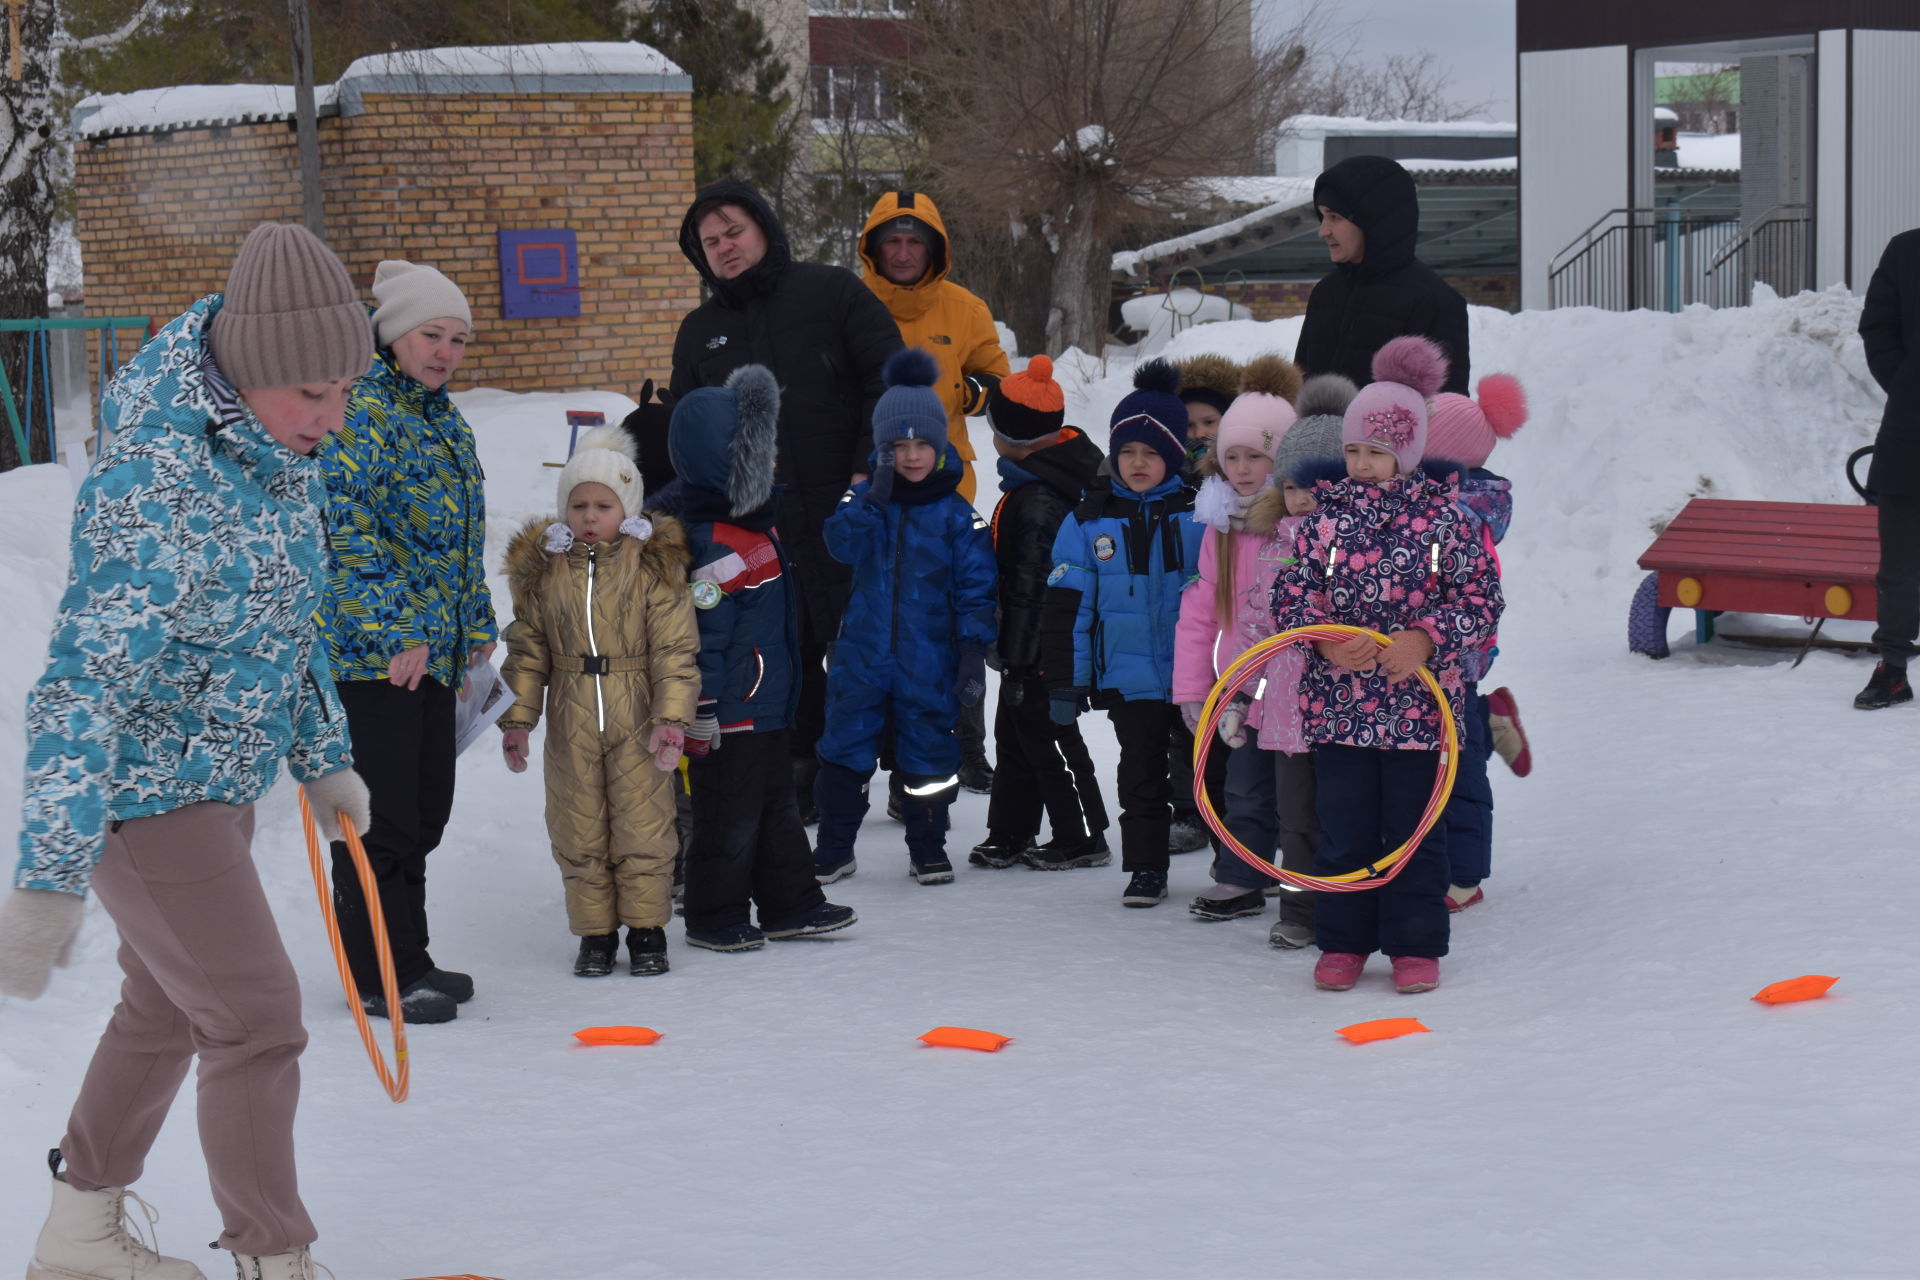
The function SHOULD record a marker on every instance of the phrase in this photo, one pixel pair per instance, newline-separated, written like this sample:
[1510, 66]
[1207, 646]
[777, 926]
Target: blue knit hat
[909, 408]
[1153, 413]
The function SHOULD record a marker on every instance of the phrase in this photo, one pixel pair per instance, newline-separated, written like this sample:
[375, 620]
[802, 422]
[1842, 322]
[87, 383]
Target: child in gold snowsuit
[604, 634]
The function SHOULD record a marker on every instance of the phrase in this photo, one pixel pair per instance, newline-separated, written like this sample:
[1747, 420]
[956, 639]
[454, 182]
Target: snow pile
[1719, 151]
[1158, 316]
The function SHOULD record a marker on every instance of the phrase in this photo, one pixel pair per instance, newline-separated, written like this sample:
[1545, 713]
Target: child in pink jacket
[1223, 613]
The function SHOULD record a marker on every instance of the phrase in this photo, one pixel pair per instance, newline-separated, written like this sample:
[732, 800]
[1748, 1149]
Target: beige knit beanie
[289, 316]
[603, 456]
[409, 294]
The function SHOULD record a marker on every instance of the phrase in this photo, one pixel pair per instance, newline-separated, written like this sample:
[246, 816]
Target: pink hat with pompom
[1465, 430]
[1391, 411]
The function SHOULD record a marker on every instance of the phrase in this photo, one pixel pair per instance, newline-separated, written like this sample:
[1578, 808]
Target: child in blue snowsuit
[1463, 432]
[913, 641]
[1121, 561]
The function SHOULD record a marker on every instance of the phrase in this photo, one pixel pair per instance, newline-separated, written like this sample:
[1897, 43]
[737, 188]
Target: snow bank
[188, 106]
[579, 58]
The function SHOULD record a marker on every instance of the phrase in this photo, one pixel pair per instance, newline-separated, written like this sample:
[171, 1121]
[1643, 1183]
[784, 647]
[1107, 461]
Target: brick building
[427, 156]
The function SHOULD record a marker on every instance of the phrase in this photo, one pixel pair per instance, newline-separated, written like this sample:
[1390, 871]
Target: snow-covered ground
[1598, 1096]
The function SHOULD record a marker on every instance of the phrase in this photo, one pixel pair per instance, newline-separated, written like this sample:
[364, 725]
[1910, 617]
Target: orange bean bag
[1809, 986]
[966, 1038]
[1381, 1029]
[617, 1035]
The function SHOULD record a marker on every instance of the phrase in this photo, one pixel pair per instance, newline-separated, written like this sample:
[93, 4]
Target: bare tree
[1398, 87]
[1705, 95]
[1075, 119]
[30, 142]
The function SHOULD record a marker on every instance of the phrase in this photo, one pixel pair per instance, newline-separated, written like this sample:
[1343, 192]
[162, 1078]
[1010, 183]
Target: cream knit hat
[409, 294]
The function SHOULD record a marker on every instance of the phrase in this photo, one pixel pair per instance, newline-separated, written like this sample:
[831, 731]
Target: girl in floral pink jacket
[1388, 549]
[1223, 613]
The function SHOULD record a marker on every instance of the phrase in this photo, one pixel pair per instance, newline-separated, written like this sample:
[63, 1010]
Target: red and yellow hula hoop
[1244, 670]
[395, 1080]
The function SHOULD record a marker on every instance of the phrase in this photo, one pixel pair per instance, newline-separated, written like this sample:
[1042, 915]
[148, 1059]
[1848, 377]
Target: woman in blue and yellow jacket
[411, 612]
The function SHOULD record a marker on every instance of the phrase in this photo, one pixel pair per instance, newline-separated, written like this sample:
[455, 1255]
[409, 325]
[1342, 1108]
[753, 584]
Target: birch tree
[36, 36]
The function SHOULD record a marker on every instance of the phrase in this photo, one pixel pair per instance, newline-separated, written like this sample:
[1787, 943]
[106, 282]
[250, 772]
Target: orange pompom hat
[1027, 405]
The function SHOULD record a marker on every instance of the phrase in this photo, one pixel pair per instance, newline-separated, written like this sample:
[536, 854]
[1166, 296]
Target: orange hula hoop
[1245, 669]
[394, 1080]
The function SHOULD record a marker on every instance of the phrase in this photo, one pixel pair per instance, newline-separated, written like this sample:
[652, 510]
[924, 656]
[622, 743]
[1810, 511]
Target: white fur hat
[409, 294]
[603, 456]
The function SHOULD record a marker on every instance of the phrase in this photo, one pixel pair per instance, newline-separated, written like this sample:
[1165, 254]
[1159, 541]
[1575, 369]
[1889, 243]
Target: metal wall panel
[1561, 24]
[1886, 143]
[1573, 153]
[1830, 162]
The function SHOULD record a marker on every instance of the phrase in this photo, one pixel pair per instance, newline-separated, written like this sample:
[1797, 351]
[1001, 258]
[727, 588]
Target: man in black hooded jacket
[826, 338]
[1370, 218]
[1890, 333]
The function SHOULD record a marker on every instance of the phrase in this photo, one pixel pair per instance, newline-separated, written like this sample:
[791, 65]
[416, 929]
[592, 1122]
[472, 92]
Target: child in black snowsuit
[748, 845]
[1045, 467]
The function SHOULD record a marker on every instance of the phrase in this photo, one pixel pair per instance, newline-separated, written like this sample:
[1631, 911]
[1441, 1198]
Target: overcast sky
[1474, 38]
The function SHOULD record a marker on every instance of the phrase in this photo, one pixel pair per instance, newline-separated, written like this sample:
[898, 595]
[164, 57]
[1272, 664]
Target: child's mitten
[703, 735]
[971, 684]
[1233, 720]
[664, 744]
[880, 486]
[1063, 706]
[1190, 712]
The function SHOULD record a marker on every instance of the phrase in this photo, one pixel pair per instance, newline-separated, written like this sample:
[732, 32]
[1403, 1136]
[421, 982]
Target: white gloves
[341, 791]
[37, 928]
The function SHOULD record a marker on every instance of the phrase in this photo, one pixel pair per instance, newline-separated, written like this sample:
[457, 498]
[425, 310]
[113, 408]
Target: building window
[852, 93]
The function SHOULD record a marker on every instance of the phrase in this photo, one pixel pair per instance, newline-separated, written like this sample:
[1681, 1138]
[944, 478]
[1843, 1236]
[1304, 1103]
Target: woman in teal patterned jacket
[410, 613]
[185, 664]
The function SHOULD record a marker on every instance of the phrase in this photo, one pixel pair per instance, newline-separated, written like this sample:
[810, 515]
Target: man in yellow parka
[904, 250]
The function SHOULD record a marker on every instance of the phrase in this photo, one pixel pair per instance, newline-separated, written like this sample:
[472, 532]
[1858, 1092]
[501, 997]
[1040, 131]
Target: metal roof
[1468, 226]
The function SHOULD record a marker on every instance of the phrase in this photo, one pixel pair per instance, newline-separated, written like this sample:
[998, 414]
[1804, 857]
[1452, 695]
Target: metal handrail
[36, 329]
[1765, 220]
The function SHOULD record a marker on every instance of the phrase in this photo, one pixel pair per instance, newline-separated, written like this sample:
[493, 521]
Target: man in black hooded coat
[1384, 293]
[826, 338]
[1890, 333]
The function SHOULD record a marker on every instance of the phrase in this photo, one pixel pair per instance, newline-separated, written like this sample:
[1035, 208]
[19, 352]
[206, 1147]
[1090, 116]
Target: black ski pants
[1897, 584]
[403, 749]
[1044, 767]
[1145, 732]
[748, 846]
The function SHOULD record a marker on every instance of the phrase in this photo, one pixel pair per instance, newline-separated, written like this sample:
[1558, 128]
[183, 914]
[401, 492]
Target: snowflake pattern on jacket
[186, 659]
[1391, 557]
[408, 530]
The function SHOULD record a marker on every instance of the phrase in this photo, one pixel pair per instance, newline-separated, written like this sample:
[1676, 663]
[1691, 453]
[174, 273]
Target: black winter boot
[999, 851]
[596, 955]
[420, 1003]
[647, 949]
[1888, 687]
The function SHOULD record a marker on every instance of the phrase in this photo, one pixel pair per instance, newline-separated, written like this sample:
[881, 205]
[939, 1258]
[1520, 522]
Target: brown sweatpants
[206, 975]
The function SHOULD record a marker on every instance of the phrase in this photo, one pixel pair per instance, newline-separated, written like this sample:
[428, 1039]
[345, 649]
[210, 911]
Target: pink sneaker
[1459, 899]
[1414, 974]
[1509, 737]
[1338, 970]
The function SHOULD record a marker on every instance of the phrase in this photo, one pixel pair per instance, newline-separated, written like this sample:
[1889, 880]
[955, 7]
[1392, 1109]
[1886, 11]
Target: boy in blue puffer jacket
[1121, 561]
[747, 846]
[914, 639]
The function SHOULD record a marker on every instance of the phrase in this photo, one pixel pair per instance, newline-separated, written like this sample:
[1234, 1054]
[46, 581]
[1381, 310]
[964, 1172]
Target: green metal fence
[39, 389]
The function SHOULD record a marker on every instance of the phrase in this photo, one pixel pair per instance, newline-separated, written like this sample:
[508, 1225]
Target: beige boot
[86, 1238]
[294, 1264]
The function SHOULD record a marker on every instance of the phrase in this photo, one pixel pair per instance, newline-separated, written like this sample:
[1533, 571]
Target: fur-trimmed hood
[723, 439]
[664, 555]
